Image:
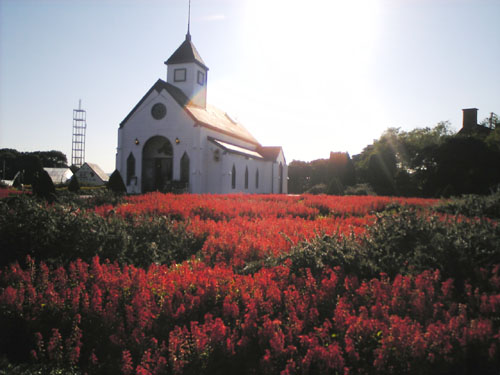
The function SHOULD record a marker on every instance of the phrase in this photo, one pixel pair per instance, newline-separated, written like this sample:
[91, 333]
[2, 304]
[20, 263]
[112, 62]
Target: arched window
[185, 168]
[257, 179]
[130, 168]
[246, 178]
[233, 177]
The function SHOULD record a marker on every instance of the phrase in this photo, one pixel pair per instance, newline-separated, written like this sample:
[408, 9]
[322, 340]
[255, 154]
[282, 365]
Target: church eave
[243, 152]
[183, 101]
[159, 85]
[187, 61]
[221, 131]
[156, 87]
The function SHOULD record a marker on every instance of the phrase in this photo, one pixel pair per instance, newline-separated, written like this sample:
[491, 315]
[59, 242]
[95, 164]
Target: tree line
[428, 162]
[28, 163]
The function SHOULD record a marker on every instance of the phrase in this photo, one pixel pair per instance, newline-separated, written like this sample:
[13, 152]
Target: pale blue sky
[313, 76]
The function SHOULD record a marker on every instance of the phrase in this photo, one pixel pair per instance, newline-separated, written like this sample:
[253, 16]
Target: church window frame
[180, 75]
[233, 177]
[257, 178]
[201, 78]
[246, 177]
[130, 168]
[158, 111]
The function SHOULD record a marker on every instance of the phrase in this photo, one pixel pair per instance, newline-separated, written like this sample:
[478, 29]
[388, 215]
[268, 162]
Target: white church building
[172, 138]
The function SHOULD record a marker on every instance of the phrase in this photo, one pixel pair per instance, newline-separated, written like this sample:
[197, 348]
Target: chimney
[470, 118]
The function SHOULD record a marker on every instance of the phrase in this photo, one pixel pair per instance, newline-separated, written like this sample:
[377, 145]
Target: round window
[159, 111]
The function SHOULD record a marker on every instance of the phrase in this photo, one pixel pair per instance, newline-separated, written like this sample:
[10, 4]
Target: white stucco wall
[193, 90]
[87, 177]
[206, 174]
[142, 126]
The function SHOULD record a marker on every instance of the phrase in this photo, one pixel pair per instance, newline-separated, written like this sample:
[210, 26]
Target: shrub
[360, 189]
[473, 205]
[403, 242]
[61, 233]
[74, 185]
[43, 186]
[317, 189]
[116, 184]
[335, 187]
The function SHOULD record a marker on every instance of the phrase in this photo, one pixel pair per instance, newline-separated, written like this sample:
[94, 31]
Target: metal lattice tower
[79, 129]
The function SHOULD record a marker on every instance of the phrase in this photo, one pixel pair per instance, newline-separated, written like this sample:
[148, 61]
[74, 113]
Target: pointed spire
[188, 35]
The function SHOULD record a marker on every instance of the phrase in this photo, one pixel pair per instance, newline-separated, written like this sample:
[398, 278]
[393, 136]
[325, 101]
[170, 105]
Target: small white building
[59, 176]
[91, 174]
[172, 137]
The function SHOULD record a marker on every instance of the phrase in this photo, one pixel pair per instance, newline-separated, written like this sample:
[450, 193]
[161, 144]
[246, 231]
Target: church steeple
[187, 70]
[188, 35]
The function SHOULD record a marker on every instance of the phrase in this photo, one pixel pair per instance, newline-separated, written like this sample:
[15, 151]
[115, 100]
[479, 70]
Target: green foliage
[473, 205]
[43, 187]
[74, 168]
[29, 162]
[52, 159]
[402, 241]
[116, 183]
[74, 185]
[461, 165]
[7, 368]
[61, 233]
[377, 164]
[430, 162]
[317, 189]
[359, 189]
[335, 187]
[493, 139]
[338, 169]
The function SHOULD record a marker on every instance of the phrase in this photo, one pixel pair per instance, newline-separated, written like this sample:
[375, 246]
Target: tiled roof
[213, 118]
[210, 117]
[270, 153]
[98, 171]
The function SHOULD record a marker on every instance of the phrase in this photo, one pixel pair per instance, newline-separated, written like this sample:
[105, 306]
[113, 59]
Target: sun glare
[318, 54]
[340, 31]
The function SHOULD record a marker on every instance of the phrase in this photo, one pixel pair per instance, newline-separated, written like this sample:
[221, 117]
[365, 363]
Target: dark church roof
[186, 53]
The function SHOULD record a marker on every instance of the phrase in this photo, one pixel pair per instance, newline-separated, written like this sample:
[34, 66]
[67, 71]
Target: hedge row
[57, 234]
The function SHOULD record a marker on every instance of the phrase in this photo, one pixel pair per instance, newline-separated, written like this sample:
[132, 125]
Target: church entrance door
[157, 167]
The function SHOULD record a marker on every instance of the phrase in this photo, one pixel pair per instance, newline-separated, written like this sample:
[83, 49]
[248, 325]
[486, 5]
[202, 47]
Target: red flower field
[205, 316]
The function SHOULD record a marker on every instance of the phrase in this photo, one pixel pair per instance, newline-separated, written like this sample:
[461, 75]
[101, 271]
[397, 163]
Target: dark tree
[116, 183]
[322, 175]
[9, 163]
[74, 168]
[28, 163]
[377, 164]
[341, 168]
[30, 166]
[43, 186]
[74, 185]
[299, 174]
[462, 165]
[398, 162]
[52, 159]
